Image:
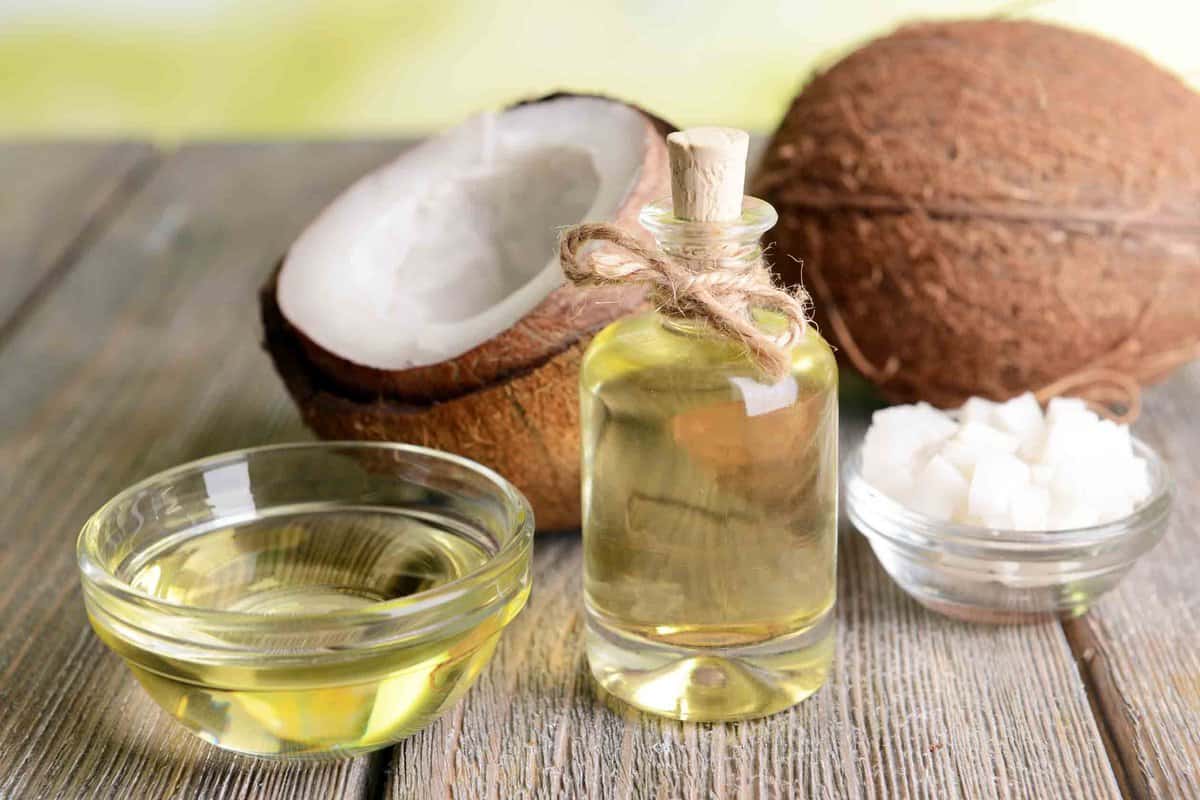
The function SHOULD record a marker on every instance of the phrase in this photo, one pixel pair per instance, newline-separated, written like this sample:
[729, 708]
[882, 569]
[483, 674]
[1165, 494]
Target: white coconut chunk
[927, 421]
[455, 240]
[1030, 508]
[977, 409]
[1065, 515]
[975, 441]
[939, 490]
[984, 437]
[995, 480]
[1041, 474]
[1022, 417]
[900, 436]
[1113, 440]
[1078, 479]
[887, 470]
[1066, 407]
[962, 457]
[1074, 434]
[1085, 471]
[896, 484]
[1068, 436]
[1018, 416]
[1137, 476]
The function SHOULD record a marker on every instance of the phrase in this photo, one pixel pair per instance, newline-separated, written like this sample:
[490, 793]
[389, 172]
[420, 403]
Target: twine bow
[718, 284]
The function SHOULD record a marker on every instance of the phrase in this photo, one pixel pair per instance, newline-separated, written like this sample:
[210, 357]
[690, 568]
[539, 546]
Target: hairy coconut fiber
[987, 207]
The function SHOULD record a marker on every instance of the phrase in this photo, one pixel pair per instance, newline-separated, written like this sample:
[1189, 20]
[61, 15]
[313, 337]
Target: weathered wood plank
[1139, 645]
[145, 355]
[55, 196]
[920, 706]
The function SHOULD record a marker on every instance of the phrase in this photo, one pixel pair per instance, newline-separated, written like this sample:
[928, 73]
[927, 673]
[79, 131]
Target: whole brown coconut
[511, 400]
[983, 208]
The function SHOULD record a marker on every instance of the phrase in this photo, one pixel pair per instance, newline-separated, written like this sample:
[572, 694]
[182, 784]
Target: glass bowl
[314, 600]
[1004, 576]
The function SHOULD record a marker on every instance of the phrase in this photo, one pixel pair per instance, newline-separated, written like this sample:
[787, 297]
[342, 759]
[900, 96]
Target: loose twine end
[1109, 392]
[703, 283]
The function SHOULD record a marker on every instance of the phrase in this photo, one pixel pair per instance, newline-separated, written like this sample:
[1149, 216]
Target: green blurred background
[216, 68]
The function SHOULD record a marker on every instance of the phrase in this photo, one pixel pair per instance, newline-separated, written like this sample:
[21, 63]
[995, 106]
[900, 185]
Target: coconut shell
[511, 403]
[565, 317]
[989, 207]
[526, 427]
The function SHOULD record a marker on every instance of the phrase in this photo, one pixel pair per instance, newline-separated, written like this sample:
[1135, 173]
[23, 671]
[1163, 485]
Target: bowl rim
[918, 529]
[518, 546]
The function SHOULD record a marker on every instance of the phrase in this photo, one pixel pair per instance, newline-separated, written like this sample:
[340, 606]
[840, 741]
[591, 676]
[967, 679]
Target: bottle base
[711, 684]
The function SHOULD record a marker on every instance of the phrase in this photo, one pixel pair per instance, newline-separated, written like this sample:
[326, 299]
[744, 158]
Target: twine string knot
[718, 284]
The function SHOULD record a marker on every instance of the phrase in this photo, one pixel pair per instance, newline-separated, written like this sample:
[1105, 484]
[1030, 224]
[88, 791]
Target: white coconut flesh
[456, 240]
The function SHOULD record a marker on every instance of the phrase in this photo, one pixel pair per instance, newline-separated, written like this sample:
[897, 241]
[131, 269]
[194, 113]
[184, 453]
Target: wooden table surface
[129, 342]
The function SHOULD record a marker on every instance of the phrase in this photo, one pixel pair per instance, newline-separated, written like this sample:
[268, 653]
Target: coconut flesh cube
[984, 438]
[1063, 407]
[1138, 477]
[1069, 435]
[995, 480]
[1022, 417]
[1005, 465]
[939, 490]
[921, 420]
[898, 439]
[1030, 508]
[1041, 474]
[1115, 440]
[974, 441]
[1077, 479]
[977, 409]
[1067, 516]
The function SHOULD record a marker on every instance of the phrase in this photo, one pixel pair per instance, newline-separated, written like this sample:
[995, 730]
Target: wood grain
[141, 351]
[920, 707]
[1139, 644]
[56, 197]
[146, 354]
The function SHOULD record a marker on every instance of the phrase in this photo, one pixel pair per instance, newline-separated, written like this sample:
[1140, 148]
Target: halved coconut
[426, 303]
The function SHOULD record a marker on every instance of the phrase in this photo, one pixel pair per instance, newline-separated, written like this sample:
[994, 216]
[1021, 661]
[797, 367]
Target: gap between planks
[1108, 707]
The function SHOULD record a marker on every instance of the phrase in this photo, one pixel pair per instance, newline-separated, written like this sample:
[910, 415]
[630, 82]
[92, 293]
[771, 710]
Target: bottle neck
[734, 245]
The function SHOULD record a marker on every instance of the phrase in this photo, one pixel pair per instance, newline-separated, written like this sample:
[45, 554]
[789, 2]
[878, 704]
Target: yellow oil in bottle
[710, 520]
[309, 564]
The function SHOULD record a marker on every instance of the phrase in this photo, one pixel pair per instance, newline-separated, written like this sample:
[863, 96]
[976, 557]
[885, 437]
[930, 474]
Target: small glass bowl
[315, 600]
[1004, 576]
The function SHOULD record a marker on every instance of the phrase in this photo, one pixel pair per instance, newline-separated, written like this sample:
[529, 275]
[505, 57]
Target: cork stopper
[708, 173]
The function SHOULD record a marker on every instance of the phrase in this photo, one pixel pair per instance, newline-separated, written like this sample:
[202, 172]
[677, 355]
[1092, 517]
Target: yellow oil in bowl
[307, 630]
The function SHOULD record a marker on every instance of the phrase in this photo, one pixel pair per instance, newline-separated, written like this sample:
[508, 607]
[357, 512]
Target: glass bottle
[709, 505]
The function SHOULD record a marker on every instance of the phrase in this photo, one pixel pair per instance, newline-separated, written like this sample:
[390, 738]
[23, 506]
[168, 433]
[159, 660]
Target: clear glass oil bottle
[709, 507]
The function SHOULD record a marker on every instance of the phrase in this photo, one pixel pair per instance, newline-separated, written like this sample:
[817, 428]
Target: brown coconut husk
[562, 319]
[988, 207]
[526, 426]
[510, 403]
